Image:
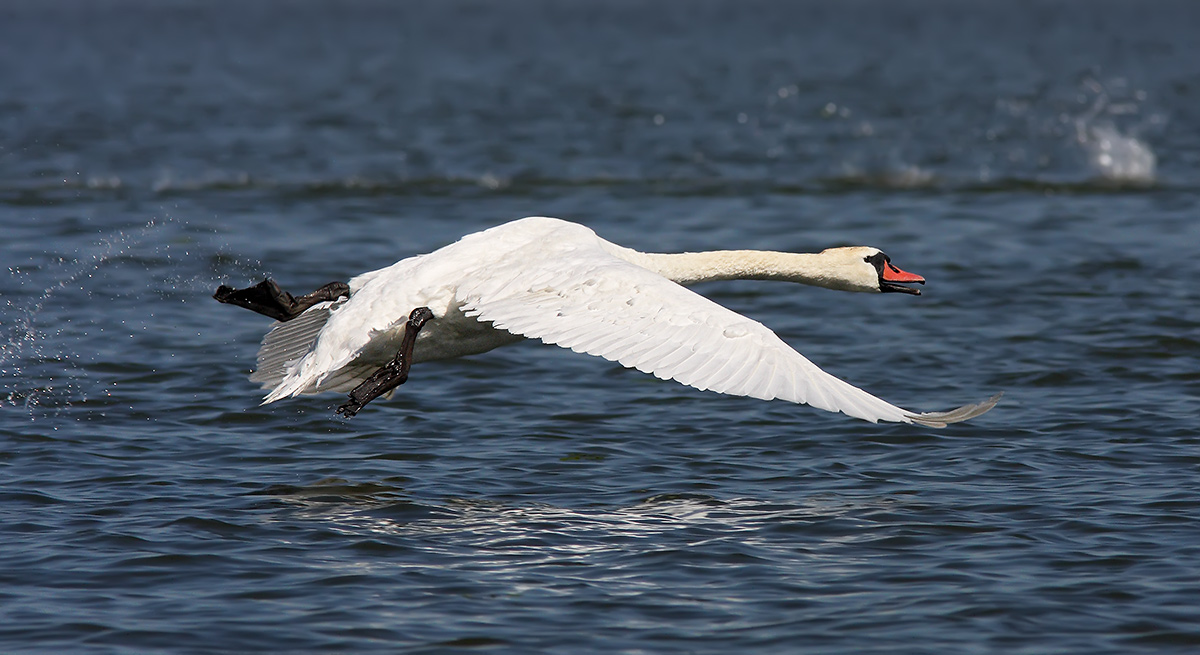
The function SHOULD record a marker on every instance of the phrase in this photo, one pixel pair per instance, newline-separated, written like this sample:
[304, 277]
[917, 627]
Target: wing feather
[591, 301]
[287, 343]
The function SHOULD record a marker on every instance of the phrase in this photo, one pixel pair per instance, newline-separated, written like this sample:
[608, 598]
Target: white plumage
[557, 281]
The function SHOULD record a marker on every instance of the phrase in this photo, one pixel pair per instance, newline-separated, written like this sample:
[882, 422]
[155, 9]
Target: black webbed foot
[392, 374]
[268, 299]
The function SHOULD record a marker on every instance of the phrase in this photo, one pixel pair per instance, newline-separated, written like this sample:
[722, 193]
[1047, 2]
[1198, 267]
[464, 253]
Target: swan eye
[877, 260]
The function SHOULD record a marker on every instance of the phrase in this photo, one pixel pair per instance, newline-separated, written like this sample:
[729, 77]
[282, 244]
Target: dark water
[1039, 163]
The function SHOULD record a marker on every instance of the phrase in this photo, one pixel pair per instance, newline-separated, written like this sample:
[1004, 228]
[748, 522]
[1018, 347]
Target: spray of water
[1118, 157]
[41, 366]
[24, 342]
[1113, 155]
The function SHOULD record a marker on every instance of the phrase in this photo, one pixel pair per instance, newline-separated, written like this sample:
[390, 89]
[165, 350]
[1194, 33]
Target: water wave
[1122, 164]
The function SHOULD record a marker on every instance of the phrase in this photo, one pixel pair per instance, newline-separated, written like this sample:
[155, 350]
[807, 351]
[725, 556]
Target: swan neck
[694, 267]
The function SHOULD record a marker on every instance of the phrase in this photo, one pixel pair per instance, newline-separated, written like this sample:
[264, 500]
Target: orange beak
[893, 274]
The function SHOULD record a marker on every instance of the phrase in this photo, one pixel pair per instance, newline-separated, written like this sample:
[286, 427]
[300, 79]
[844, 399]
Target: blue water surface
[1037, 162]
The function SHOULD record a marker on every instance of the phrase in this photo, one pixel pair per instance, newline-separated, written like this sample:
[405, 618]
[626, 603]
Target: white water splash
[1113, 155]
[1118, 157]
[25, 343]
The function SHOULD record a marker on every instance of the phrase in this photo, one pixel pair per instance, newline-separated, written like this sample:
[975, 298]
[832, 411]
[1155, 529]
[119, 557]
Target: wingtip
[958, 415]
[278, 393]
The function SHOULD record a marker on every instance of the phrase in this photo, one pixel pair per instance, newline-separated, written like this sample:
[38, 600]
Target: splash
[36, 370]
[1113, 155]
[1118, 157]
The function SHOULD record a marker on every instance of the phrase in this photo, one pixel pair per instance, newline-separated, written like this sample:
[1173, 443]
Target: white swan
[558, 281]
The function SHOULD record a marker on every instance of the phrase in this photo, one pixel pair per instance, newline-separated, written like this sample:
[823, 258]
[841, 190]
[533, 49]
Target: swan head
[862, 268]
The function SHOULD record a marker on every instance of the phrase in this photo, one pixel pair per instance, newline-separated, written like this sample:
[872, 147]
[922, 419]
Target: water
[1037, 164]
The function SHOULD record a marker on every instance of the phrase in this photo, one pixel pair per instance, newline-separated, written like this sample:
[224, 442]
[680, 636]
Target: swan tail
[964, 413]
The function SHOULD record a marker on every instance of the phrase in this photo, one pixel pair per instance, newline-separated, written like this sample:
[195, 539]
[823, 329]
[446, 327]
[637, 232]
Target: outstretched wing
[593, 302]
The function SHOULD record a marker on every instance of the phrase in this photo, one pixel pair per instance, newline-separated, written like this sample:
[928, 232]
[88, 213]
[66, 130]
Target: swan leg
[392, 374]
[268, 299]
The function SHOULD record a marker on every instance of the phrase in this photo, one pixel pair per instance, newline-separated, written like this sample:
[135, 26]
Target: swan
[558, 281]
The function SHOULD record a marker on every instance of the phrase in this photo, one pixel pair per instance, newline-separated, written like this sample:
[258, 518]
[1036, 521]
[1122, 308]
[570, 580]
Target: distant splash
[1113, 155]
[1118, 157]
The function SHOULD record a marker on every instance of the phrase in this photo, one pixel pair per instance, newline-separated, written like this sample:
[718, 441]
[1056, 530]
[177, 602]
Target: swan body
[558, 281]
